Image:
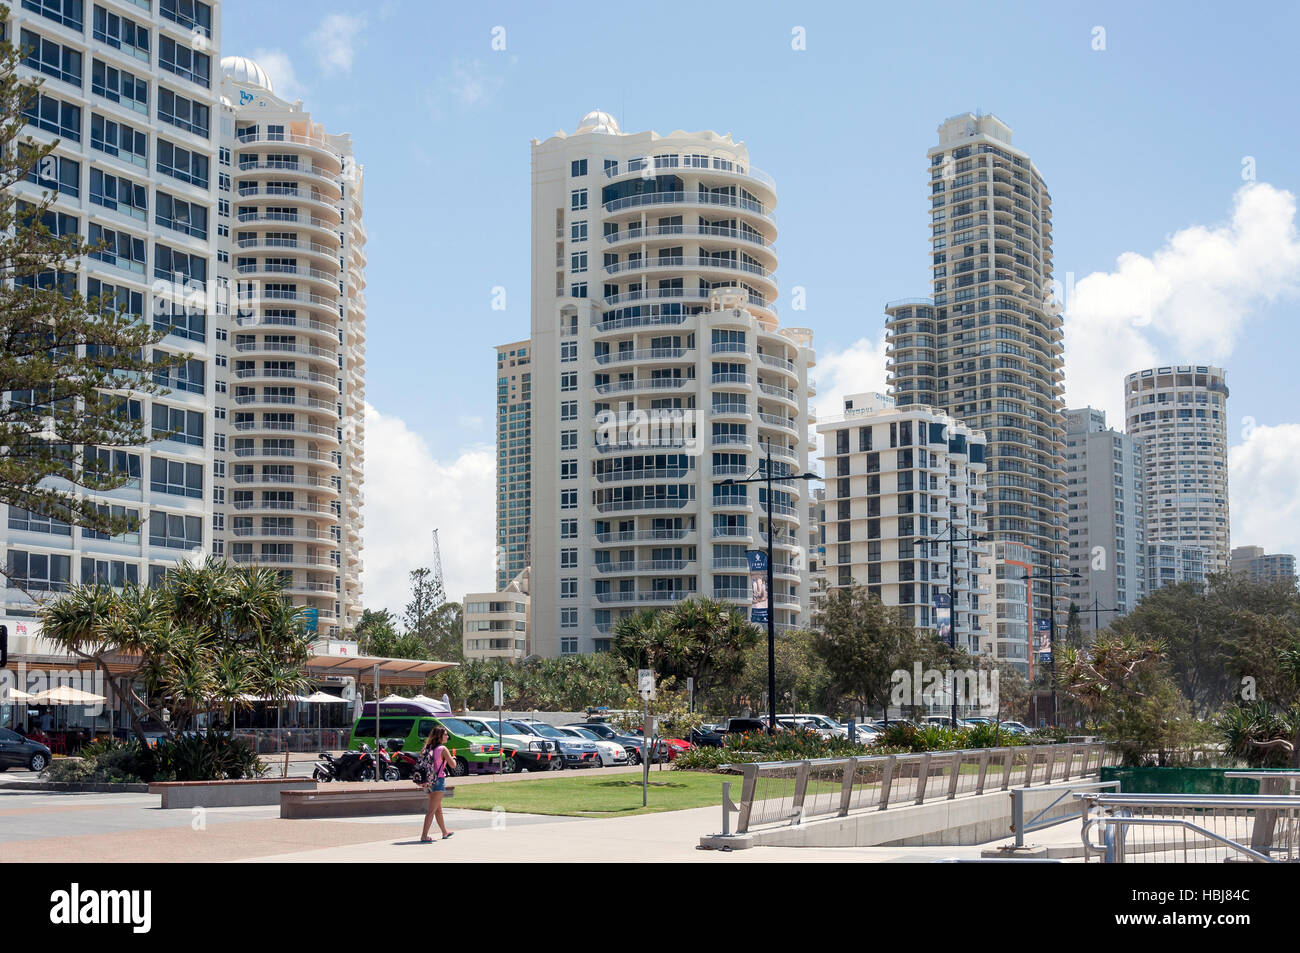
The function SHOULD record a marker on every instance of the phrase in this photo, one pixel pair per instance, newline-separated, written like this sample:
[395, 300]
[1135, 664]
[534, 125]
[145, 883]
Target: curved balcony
[294, 561]
[282, 508]
[635, 234]
[320, 536]
[703, 200]
[785, 423]
[728, 165]
[273, 323]
[658, 503]
[642, 385]
[250, 297]
[289, 142]
[328, 356]
[276, 272]
[693, 262]
[329, 434]
[286, 221]
[308, 588]
[280, 196]
[272, 453]
[779, 393]
[687, 294]
[620, 476]
[280, 169]
[602, 325]
[652, 355]
[264, 243]
[653, 565]
[277, 401]
[315, 484]
[643, 536]
[308, 377]
[731, 411]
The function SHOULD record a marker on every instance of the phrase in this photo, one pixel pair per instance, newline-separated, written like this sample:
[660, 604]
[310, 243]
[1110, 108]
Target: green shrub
[988, 735]
[710, 759]
[211, 756]
[109, 761]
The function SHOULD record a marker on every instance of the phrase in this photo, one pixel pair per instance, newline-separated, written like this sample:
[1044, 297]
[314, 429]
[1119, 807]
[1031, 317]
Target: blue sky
[1142, 145]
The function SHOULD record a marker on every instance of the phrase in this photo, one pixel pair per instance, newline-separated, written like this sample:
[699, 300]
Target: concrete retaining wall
[190, 794]
[962, 821]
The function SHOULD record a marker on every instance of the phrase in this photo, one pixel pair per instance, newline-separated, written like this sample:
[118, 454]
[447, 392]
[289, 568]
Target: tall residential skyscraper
[1105, 518]
[1180, 416]
[514, 459]
[659, 371]
[898, 478]
[233, 224]
[289, 232]
[987, 347]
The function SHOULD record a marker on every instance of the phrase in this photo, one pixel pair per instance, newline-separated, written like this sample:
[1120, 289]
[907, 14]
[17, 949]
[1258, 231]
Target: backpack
[424, 772]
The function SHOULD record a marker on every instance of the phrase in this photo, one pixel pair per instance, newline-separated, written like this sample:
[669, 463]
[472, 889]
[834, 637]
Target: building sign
[758, 606]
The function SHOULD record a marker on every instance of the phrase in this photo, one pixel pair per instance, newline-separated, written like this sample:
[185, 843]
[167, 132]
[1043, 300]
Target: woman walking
[436, 760]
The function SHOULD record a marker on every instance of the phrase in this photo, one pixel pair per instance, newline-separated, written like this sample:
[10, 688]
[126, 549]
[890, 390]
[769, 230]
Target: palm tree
[201, 642]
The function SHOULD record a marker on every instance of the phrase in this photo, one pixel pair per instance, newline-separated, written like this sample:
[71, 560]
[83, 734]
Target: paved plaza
[42, 826]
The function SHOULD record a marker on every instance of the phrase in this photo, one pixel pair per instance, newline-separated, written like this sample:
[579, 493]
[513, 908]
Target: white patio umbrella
[15, 695]
[66, 695]
[323, 698]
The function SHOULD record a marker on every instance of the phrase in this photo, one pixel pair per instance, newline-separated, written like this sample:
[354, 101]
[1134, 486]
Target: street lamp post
[1097, 609]
[950, 537]
[1051, 623]
[771, 595]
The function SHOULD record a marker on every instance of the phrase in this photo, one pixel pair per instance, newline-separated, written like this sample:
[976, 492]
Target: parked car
[609, 754]
[677, 746]
[944, 721]
[19, 752]
[738, 726]
[1016, 727]
[706, 736]
[521, 754]
[409, 723]
[577, 752]
[633, 744]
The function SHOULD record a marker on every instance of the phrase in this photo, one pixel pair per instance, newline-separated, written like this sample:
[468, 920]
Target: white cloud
[1187, 303]
[1261, 481]
[858, 369]
[468, 85]
[409, 494]
[279, 67]
[335, 41]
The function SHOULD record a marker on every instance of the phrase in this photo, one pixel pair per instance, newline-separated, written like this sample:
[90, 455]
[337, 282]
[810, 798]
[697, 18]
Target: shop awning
[392, 671]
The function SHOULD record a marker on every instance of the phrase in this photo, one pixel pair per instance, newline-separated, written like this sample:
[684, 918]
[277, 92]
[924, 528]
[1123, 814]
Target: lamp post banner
[758, 608]
[943, 614]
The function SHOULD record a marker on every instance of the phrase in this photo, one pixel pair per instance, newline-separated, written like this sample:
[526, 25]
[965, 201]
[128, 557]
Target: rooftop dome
[597, 121]
[243, 70]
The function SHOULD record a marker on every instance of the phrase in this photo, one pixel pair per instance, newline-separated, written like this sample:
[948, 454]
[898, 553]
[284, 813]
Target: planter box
[191, 794]
[362, 800]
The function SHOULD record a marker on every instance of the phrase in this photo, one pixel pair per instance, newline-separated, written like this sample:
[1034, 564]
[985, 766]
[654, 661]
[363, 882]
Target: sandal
[426, 840]
[445, 836]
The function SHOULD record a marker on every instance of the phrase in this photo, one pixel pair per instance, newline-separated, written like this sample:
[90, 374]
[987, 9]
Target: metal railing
[789, 792]
[1191, 828]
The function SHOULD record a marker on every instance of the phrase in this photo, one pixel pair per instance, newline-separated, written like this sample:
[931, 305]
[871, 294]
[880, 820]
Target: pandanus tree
[208, 637]
[698, 638]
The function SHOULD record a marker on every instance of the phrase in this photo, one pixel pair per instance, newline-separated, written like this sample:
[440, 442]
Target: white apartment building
[495, 624]
[146, 116]
[659, 371]
[988, 347]
[514, 458]
[900, 482]
[1180, 416]
[1105, 519]
[1258, 566]
[1170, 563]
[290, 231]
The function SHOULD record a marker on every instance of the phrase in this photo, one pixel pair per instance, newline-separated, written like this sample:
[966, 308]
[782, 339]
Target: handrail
[784, 792]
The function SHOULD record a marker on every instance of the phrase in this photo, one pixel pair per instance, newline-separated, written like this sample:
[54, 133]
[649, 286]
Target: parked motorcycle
[349, 766]
[387, 769]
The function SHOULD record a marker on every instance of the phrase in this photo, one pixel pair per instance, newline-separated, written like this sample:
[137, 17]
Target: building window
[569, 409]
[37, 571]
[578, 231]
[569, 558]
[569, 645]
[578, 262]
[568, 529]
[568, 469]
[568, 440]
[578, 167]
[578, 200]
[568, 499]
[569, 587]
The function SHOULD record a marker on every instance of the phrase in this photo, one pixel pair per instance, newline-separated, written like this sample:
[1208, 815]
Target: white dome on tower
[597, 121]
[241, 69]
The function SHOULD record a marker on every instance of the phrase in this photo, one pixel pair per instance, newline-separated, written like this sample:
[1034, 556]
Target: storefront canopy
[392, 671]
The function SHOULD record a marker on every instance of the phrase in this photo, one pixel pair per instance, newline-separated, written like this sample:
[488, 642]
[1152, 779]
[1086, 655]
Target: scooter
[388, 771]
[349, 766]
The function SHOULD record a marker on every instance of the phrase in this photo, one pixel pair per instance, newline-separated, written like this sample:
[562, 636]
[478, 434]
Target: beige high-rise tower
[987, 347]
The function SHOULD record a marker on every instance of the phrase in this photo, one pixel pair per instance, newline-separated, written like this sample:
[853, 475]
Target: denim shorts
[439, 784]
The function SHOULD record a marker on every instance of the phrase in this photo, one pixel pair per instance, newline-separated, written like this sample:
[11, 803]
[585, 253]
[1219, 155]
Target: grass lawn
[598, 795]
